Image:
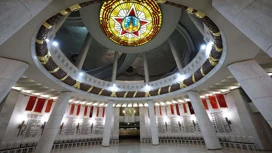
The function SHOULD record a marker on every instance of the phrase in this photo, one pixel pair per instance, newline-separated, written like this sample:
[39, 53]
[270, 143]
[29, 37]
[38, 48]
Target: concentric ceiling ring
[130, 23]
[50, 65]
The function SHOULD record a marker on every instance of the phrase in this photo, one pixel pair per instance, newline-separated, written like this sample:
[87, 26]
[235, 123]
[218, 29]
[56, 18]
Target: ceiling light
[146, 105]
[55, 43]
[147, 88]
[114, 88]
[16, 88]
[174, 102]
[81, 73]
[141, 105]
[209, 48]
[202, 47]
[180, 101]
[181, 77]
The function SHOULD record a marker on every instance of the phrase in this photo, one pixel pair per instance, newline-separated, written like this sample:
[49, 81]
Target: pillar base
[105, 145]
[215, 149]
[155, 144]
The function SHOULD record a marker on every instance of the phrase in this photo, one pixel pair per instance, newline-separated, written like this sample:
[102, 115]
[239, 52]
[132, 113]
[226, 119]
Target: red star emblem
[131, 23]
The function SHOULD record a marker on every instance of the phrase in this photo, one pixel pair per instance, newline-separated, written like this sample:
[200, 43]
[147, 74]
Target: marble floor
[148, 148]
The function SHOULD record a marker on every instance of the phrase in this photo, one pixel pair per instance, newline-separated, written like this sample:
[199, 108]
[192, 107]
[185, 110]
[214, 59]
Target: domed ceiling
[99, 60]
[186, 47]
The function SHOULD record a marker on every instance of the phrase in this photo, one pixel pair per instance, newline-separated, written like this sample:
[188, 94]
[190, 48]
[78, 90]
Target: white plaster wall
[252, 17]
[16, 13]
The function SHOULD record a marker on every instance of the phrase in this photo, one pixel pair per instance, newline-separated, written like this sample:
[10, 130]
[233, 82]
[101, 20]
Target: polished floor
[135, 147]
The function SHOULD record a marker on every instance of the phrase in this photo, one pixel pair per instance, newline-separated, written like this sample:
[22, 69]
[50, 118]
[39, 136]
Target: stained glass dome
[130, 23]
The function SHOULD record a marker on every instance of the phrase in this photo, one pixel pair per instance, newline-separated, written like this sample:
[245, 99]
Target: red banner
[103, 113]
[160, 110]
[155, 110]
[85, 110]
[31, 103]
[97, 111]
[177, 109]
[184, 108]
[78, 110]
[91, 112]
[72, 109]
[191, 108]
[39, 106]
[165, 108]
[221, 100]
[172, 109]
[205, 104]
[213, 102]
[49, 105]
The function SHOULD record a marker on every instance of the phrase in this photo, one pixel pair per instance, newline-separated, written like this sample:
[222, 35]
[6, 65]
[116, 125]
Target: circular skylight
[130, 23]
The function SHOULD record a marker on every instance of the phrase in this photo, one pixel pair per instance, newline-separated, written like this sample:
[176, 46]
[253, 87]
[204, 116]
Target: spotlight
[47, 40]
[147, 88]
[209, 48]
[81, 73]
[181, 77]
[113, 88]
[202, 47]
[55, 43]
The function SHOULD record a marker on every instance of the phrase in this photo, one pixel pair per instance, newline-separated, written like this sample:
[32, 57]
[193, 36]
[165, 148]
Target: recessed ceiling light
[55, 43]
[147, 88]
[202, 47]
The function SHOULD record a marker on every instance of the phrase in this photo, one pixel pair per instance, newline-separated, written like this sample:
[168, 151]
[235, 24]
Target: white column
[142, 123]
[206, 127]
[252, 17]
[175, 54]
[114, 69]
[58, 26]
[153, 124]
[52, 127]
[10, 72]
[251, 122]
[146, 69]
[108, 125]
[7, 108]
[257, 84]
[83, 51]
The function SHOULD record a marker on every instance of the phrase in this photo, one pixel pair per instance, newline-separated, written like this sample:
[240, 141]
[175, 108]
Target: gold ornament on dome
[130, 22]
[129, 111]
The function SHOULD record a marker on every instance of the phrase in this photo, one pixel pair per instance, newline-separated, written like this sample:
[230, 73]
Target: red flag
[160, 110]
[213, 102]
[204, 101]
[177, 108]
[103, 113]
[78, 110]
[221, 100]
[31, 103]
[191, 108]
[91, 112]
[72, 109]
[97, 111]
[39, 106]
[184, 108]
[49, 105]
[85, 110]
[172, 109]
